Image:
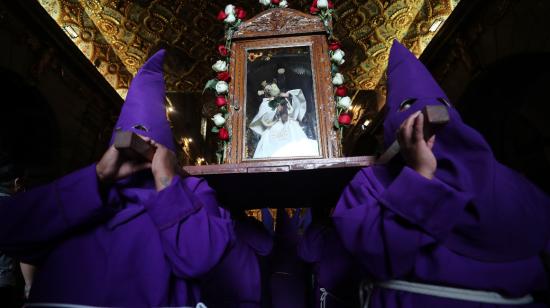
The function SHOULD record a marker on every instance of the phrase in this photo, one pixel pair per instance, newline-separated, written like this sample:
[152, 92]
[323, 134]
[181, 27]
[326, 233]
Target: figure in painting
[278, 124]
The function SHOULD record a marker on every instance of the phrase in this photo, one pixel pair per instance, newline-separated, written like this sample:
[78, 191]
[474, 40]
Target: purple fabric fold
[334, 268]
[437, 209]
[236, 281]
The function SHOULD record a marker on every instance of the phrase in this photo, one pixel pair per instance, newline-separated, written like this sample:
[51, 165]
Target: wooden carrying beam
[132, 146]
[434, 117]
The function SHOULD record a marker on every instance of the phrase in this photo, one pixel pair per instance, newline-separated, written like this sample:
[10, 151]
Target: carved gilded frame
[322, 89]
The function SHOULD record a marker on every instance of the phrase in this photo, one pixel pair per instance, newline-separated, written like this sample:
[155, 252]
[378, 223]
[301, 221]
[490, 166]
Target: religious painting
[281, 93]
[280, 112]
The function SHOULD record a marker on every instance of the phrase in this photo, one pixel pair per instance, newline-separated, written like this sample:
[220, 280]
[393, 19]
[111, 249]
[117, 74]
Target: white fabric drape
[278, 139]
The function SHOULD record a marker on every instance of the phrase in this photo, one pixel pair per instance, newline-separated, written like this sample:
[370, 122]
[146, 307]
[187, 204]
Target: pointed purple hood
[407, 79]
[143, 111]
[466, 163]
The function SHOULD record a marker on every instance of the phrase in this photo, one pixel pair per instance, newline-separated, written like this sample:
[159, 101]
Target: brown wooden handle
[132, 146]
[434, 118]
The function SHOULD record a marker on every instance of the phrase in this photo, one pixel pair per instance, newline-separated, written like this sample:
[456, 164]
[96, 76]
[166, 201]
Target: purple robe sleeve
[255, 235]
[386, 225]
[429, 204]
[31, 222]
[505, 222]
[384, 243]
[194, 231]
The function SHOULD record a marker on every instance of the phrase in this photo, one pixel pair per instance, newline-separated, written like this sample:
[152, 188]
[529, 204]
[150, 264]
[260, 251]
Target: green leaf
[215, 129]
[336, 124]
[210, 84]
[334, 68]
[276, 102]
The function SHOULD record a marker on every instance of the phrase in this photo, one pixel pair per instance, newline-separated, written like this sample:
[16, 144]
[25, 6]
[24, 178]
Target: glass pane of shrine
[280, 110]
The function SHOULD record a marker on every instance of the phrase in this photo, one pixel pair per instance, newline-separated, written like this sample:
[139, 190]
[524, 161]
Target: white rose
[341, 62]
[261, 93]
[283, 4]
[338, 56]
[322, 4]
[218, 119]
[338, 79]
[221, 87]
[230, 19]
[220, 66]
[273, 90]
[265, 2]
[344, 102]
[230, 9]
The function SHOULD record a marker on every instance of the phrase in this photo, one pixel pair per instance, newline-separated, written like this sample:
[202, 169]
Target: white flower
[218, 119]
[338, 56]
[322, 4]
[230, 9]
[283, 3]
[338, 79]
[220, 66]
[272, 90]
[265, 2]
[281, 70]
[344, 102]
[261, 93]
[230, 19]
[221, 87]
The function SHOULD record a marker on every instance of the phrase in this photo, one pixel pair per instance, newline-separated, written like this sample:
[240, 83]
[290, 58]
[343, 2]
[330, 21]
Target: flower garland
[325, 10]
[232, 16]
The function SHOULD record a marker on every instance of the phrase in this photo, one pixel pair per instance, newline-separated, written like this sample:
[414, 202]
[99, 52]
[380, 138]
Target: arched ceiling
[117, 36]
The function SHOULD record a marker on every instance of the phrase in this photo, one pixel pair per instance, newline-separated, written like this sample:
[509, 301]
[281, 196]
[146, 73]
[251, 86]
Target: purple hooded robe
[236, 282]
[336, 274]
[122, 245]
[289, 274]
[476, 225]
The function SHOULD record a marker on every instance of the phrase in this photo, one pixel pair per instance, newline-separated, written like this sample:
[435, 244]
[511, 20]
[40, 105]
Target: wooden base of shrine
[283, 183]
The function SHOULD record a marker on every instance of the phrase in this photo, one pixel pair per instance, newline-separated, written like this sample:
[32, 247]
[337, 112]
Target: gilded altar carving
[279, 22]
[118, 35]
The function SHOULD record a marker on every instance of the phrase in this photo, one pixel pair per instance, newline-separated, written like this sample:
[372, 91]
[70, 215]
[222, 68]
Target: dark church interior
[66, 67]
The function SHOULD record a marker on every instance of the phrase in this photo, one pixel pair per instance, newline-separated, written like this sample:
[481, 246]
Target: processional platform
[283, 183]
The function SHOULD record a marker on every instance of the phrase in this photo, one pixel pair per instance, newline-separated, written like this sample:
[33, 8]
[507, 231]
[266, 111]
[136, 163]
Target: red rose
[223, 134]
[314, 4]
[224, 76]
[221, 15]
[221, 101]
[330, 5]
[344, 118]
[334, 45]
[240, 13]
[276, 2]
[341, 91]
[313, 10]
[222, 50]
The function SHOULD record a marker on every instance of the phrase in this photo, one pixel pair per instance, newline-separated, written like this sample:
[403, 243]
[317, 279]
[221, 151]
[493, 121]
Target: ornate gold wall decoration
[117, 36]
[369, 28]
